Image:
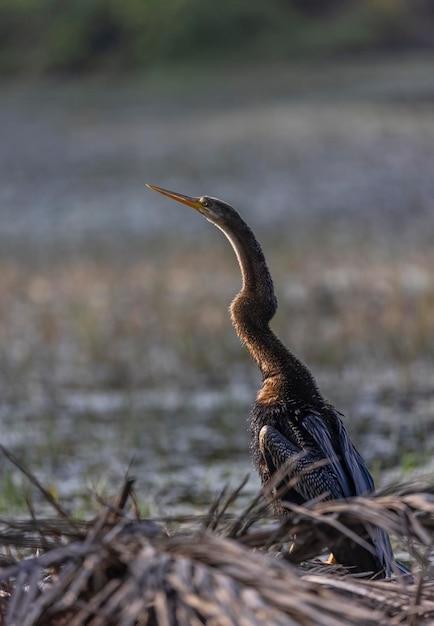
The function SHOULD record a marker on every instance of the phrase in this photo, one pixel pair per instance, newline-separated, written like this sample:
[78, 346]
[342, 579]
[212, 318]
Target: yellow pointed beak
[179, 197]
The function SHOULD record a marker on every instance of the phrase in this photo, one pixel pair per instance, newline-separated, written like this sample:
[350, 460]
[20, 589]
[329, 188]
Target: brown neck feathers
[251, 312]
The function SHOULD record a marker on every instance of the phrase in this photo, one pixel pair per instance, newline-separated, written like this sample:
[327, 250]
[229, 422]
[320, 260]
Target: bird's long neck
[254, 307]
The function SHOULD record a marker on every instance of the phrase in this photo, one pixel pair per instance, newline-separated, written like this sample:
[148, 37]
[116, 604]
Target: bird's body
[291, 424]
[321, 462]
[278, 435]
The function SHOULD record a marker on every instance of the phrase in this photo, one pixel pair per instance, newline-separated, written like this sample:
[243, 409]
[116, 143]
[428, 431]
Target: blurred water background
[314, 119]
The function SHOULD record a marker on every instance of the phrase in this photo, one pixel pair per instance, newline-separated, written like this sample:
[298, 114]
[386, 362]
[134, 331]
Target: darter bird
[290, 419]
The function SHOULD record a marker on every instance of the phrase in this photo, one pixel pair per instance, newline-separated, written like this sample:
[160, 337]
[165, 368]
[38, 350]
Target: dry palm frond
[221, 569]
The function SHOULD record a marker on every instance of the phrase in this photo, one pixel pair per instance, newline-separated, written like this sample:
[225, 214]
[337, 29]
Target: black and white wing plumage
[350, 469]
[344, 475]
[304, 469]
[353, 475]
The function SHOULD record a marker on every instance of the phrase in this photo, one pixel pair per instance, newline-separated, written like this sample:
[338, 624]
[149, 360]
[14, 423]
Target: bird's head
[215, 210]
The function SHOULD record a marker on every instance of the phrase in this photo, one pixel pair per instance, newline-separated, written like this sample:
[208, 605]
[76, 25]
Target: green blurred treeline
[71, 36]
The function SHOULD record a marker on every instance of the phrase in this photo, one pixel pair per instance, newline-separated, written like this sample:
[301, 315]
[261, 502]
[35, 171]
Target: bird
[291, 424]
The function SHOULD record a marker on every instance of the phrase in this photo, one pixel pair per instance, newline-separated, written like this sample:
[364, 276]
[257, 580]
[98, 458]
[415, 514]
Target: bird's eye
[203, 201]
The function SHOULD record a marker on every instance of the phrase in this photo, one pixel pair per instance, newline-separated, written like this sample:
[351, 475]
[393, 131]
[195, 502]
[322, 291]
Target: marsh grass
[151, 321]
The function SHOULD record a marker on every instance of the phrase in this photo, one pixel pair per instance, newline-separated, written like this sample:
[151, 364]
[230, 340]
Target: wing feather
[313, 480]
[360, 474]
[354, 476]
[317, 428]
